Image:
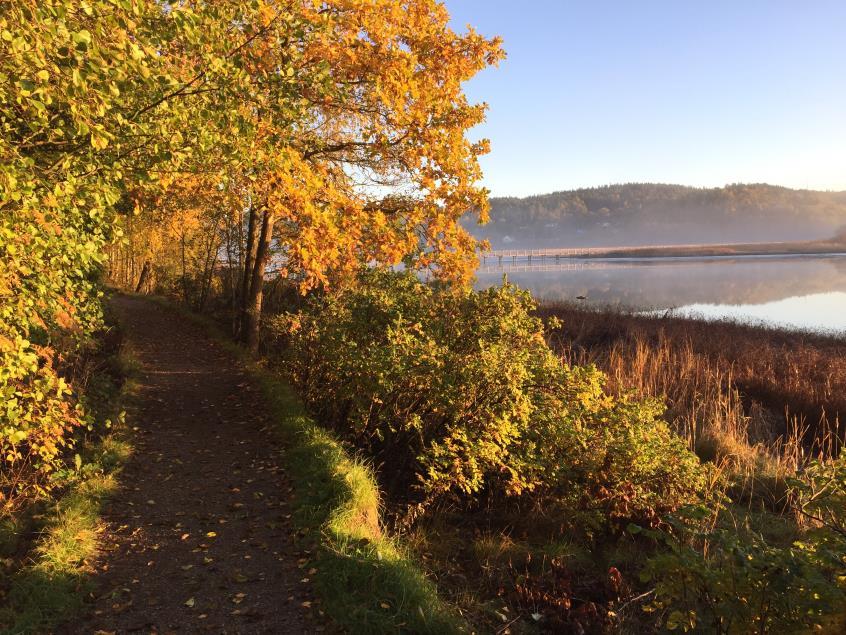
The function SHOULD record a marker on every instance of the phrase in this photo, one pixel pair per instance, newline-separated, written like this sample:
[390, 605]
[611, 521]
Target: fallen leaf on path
[239, 597]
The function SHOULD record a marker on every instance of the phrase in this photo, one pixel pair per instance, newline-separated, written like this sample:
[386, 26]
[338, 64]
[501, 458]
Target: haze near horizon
[706, 95]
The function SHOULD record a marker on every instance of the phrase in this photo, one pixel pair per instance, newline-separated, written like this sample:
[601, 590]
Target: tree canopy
[332, 133]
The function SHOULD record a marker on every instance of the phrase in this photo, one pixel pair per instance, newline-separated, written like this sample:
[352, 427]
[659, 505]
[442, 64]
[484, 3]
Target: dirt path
[199, 539]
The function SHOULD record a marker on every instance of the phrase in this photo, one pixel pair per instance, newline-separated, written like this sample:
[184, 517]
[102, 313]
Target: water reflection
[821, 312]
[795, 292]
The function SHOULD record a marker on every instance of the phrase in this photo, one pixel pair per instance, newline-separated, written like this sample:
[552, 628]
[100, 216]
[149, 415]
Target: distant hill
[651, 214]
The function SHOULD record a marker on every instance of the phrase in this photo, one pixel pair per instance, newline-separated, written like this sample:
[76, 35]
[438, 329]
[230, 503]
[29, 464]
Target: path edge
[365, 579]
[51, 588]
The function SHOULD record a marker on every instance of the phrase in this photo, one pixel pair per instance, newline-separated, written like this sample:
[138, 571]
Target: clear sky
[696, 92]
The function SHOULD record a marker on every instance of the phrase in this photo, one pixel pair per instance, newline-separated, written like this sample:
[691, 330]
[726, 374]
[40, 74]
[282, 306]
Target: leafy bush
[35, 421]
[726, 579]
[611, 456]
[430, 383]
[454, 392]
[819, 496]
[62, 172]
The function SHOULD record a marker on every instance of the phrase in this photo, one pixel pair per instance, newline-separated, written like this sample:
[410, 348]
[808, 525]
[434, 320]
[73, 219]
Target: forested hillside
[649, 213]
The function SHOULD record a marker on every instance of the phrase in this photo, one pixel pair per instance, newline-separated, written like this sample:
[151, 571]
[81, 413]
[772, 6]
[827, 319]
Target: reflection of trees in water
[643, 284]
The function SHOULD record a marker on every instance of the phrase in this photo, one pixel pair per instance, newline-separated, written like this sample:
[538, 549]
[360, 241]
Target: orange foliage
[350, 129]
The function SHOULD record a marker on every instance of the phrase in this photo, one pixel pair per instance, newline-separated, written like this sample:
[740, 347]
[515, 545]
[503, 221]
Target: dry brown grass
[760, 400]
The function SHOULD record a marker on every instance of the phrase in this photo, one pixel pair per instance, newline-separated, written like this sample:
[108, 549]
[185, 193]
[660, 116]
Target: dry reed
[762, 401]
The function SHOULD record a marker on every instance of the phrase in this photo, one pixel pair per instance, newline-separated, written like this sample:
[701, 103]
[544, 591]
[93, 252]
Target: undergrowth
[603, 519]
[45, 550]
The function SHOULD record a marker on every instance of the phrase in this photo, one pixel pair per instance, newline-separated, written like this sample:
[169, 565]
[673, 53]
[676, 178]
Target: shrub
[429, 382]
[453, 392]
[611, 456]
[727, 579]
[36, 418]
[819, 496]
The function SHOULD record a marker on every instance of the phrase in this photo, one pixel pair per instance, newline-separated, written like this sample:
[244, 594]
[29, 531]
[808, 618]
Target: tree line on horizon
[643, 213]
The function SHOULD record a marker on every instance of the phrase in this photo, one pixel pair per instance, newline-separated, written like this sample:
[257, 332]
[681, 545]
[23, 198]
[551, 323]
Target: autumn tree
[97, 99]
[381, 170]
[74, 81]
[337, 127]
[174, 245]
[351, 144]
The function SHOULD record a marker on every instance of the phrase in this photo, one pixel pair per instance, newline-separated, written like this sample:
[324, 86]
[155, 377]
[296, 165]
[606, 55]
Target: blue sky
[697, 92]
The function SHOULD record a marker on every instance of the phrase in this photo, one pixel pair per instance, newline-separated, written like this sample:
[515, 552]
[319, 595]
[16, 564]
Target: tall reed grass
[756, 399]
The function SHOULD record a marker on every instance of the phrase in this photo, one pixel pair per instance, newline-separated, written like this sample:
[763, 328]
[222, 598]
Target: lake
[794, 292]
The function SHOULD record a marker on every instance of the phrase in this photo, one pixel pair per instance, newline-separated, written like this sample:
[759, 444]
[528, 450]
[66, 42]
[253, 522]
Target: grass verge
[48, 585]
[365, 579]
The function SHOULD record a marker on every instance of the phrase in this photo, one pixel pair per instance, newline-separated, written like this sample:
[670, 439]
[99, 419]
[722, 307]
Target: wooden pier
[563, 264]
[542, 255]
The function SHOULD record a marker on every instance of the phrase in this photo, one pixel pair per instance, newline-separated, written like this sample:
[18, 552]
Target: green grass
[366, 580]
[52, 581]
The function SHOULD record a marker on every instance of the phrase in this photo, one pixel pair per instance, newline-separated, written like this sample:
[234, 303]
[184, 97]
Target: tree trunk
[209, 263]
[249, 258]
[254, 299]
[130, 255]
[186, 296]
[230, 265]
[142, 279]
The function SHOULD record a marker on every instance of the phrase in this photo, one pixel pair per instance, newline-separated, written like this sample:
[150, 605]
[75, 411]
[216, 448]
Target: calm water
[796, 292]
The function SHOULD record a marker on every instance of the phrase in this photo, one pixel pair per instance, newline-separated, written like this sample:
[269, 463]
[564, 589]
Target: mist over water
[638, 214]
[795, 292]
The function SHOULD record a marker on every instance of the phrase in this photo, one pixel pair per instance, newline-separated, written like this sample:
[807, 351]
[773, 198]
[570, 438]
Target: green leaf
[82, 37]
